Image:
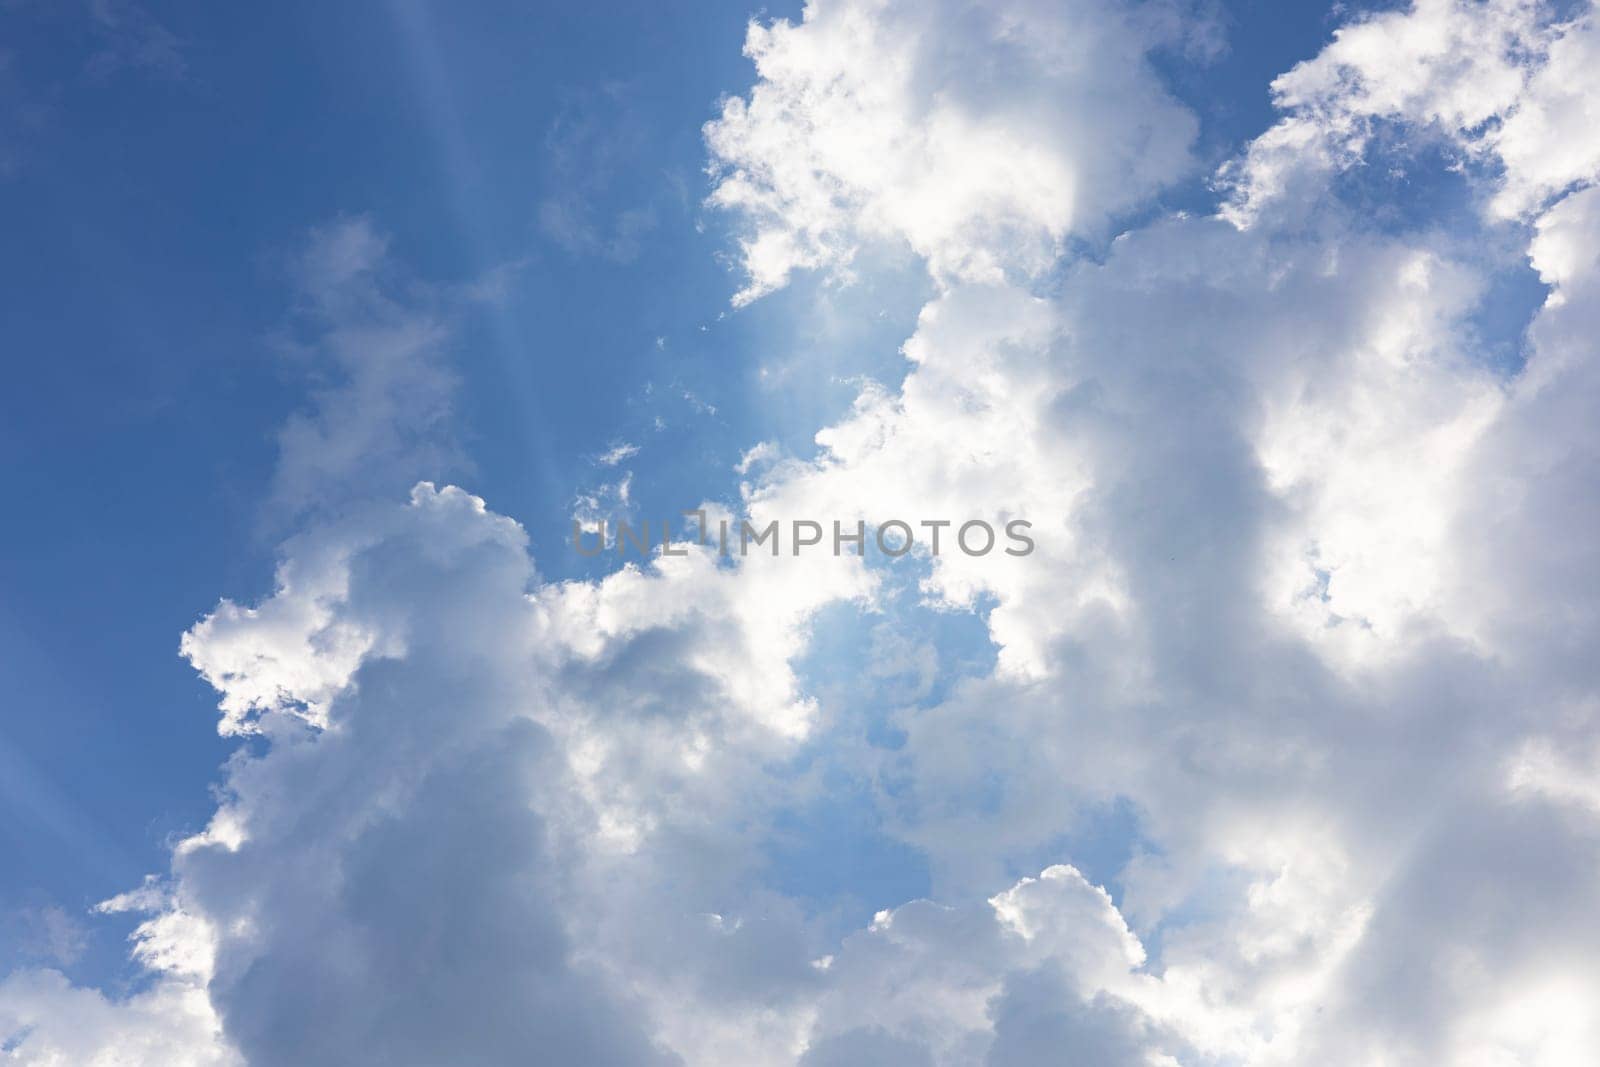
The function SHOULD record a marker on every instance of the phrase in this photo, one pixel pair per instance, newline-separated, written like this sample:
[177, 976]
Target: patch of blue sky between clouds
[870, 669]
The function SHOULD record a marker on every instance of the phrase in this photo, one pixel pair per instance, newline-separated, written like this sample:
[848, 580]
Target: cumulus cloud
[1305, 550]
[1541, 140]
[1504, 82]
[47, 1020]
[981, 135]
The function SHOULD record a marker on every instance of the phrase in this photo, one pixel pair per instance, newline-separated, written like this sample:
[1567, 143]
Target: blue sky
[151, 210]
[1235, 373]
[149, 222]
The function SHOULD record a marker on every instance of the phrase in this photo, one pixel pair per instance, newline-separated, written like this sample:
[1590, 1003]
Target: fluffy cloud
[1314, 580]
[1502, 81]
[1542, 140]
[50, 1023]
[982, 135]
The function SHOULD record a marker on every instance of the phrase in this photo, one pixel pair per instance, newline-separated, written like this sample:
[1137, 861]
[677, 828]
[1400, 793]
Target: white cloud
[1303, 544]
[47, 1022]
[1501, 80]
[617, 453]
[981, 135]
[1544, 140]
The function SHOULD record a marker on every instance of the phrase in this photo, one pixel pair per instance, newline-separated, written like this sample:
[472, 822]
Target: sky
[324, 324]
